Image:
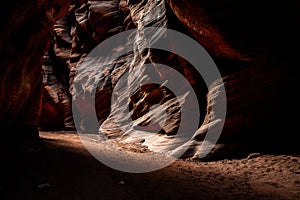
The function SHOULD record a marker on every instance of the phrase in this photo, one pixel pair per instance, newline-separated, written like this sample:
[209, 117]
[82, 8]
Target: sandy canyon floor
[64, 169]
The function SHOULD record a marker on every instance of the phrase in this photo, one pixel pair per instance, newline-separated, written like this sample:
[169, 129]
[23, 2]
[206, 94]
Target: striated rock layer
[24, 38]
[251, 43]
[253, 54]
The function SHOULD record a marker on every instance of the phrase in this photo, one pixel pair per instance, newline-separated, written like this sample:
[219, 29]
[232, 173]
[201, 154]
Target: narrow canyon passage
[149, 99]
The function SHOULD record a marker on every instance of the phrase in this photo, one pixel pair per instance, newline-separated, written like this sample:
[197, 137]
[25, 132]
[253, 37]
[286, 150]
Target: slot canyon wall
[253, 44]
[25, 36]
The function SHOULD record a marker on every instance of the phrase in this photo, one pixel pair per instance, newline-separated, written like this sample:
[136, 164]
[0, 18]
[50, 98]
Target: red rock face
[251, 43]
[83, 28]
[25, 36]
[259, 88]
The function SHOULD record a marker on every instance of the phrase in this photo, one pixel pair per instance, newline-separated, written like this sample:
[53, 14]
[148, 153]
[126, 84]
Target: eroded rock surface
[251, 43]
[24, 38]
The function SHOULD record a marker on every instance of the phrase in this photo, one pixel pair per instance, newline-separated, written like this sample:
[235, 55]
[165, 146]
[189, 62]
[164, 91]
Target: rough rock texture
[85, 34]
[56, 111]
[85, 25]
[24, 38]
[251, 42]
[252, 46]
[259, 91]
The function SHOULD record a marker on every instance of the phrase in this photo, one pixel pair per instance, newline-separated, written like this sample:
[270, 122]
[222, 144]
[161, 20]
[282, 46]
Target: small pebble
[43, 186]
[253, 155]
[121, 182]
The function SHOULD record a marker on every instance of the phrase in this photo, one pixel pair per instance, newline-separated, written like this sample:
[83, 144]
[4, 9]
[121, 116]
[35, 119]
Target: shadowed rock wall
[24, 38]
[252, 43]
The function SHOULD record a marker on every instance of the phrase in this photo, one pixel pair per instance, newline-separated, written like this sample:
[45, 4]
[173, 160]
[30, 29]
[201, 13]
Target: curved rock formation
[25, 36]
[255, 72]
[260, 90]
[250, 42]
